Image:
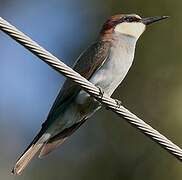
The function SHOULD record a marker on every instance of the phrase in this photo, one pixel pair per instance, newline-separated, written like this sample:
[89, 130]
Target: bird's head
[128, 24]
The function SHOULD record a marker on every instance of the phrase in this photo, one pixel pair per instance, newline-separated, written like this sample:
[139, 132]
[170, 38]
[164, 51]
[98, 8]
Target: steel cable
[94, 91]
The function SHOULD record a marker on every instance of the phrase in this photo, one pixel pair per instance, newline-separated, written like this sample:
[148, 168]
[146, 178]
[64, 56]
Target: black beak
[151, 20]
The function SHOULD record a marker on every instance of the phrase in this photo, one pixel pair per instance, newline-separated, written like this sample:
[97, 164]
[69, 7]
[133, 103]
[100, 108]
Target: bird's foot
[101, 92]
[118, 103]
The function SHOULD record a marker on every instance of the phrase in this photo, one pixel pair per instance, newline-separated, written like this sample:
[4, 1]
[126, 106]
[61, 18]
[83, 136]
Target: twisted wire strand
[110, 103]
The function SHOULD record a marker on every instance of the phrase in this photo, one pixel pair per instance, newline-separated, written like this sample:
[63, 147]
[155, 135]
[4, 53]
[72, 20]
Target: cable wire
[94, 91]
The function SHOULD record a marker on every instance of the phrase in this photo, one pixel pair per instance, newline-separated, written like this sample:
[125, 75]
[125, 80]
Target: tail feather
[50, 146]
[29, 153]
[26, 158]
[44, 142]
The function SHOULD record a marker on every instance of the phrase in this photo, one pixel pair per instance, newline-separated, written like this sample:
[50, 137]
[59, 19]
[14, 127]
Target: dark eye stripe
[130, 19]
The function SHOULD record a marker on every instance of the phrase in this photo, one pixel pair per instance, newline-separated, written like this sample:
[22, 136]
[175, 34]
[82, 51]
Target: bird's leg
[101, 92]
[118, 102]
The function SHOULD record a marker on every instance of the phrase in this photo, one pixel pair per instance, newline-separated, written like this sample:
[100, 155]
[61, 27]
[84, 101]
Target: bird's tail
[29, 153]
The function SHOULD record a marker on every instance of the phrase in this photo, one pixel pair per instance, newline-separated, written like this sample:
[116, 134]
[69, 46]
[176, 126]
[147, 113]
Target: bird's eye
[128, 19]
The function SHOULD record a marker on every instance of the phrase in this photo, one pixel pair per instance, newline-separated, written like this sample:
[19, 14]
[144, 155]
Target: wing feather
[86, 64]
[89, 61]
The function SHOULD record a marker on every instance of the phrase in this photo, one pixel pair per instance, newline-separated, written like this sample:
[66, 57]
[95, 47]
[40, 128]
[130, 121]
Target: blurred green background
[105, 147]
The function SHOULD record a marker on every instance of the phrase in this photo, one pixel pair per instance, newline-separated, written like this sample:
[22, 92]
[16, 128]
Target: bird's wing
[89, 61]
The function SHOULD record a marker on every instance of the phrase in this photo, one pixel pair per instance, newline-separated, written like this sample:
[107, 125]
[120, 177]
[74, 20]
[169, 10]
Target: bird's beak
[150, 20]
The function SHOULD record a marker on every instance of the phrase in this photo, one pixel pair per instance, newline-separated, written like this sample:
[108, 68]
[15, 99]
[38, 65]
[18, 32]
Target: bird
[105, 64]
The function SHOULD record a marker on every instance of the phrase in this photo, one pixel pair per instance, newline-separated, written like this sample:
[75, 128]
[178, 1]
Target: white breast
[114, 70]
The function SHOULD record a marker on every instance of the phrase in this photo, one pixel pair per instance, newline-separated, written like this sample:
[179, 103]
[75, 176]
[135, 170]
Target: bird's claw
[118, 103]
[101, 92]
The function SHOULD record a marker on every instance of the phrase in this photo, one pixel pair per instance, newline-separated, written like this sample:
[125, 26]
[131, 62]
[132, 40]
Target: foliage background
[106, 147]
